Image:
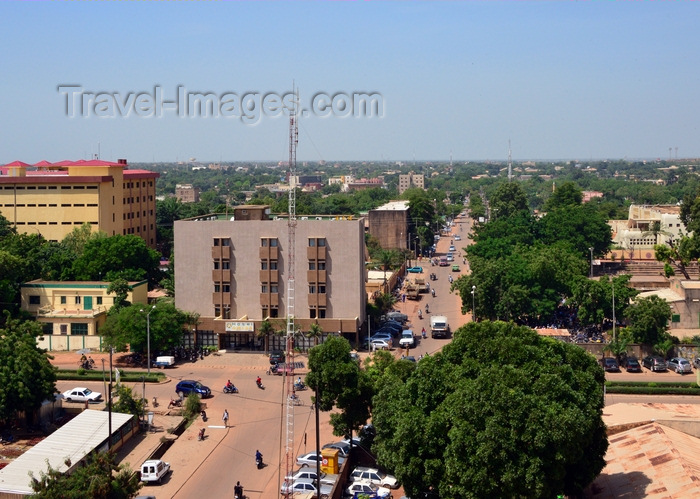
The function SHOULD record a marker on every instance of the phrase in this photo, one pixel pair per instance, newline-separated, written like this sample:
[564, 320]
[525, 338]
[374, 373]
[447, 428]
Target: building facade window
[34, 299]
[78, 300]
[98, 300]
[63, 300]
[78, 329]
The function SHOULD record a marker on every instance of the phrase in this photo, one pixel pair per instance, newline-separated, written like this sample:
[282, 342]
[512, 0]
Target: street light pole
[591, 250]
[148, 338]
[473, 304]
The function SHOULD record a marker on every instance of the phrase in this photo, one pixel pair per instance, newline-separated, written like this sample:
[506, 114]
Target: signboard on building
[240, 327]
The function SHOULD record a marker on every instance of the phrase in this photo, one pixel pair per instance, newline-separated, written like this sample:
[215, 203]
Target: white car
[305, 485]
[343, 448]
[458, 237]
[375, 476]
[379, 345]
[367, 487]
[406, 340]
[311, 458]
[310, 474]
[81, 394]
[154, 470]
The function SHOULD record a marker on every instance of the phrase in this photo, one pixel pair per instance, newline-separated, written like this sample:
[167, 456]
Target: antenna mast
[510, 164]
[291, 242]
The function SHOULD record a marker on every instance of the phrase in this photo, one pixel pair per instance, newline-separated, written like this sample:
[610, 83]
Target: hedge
[652, 388]
[128, 376]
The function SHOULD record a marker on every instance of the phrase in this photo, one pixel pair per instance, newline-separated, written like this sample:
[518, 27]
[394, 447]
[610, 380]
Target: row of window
[271, 242]
[135, 230]
[130, 215]
[218, 288]
[76, 329]
[36, 300]
[273, 312]
[223, 264]
[47, 187]
[132, 200]
[49, 205]
[55, 223]
[130, 185]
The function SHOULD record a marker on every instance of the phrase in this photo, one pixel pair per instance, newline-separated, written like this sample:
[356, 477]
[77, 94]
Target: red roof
[42, 163]
[17, 163]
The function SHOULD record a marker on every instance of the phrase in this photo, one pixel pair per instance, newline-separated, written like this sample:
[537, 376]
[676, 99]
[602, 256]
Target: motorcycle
[259, 460]
[420, 314]
[200, 436]
[230, 389]
[174, 403]
[432, 291]
[427, 309]
[204, 416]
[273, 369]
[259, 383]
[299, 386]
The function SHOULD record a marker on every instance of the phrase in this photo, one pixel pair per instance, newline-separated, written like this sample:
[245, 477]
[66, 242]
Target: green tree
[593, 298]
[111, 258]
[568, 194]
[509, 199]
[120, 288]
[340, 383]
[316, 332]
[27, 378]
[127, 402]
[129, 326]
[100, 478]
[580, 226]
[264, 331]
[647, 319]
[500, 412]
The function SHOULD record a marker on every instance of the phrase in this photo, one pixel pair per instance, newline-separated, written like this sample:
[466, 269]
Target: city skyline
[560, 80]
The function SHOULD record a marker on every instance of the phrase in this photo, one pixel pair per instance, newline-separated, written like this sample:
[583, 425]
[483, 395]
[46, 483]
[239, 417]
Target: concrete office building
[411, 180]
[233, 272]
[390, 224]
[52, 199]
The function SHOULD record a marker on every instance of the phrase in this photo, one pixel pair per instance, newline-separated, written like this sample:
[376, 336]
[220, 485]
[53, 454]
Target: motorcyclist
[258, 381]
[427, 308]
[420, 314]
[229, 385]
[238, 491]
[423, 333]
[258, 458]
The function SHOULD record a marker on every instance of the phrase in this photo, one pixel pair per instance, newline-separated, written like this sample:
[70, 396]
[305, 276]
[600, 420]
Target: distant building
[52, 199]
[637, 230]
[186, 193]
[588, 195]
[233, 272]
[411, 180]
[390, 224]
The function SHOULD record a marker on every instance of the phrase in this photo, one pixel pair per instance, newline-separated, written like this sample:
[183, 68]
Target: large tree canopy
[648, 318]
[500, 412]
[27, 378]
[110, 258]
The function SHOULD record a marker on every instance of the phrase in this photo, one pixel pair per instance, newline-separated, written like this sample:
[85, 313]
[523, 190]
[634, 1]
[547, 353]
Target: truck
[423, 287]
[164, 361]
[439, 328]
[412, 291]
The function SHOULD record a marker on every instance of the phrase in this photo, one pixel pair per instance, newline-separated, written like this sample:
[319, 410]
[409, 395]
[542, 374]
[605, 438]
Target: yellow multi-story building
[52, 199]
[69, 309]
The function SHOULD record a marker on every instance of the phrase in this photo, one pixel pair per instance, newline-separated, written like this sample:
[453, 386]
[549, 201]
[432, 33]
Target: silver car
[680, 365]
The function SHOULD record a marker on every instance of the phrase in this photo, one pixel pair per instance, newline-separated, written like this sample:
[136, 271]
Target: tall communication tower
[291, 241]
[510, 164]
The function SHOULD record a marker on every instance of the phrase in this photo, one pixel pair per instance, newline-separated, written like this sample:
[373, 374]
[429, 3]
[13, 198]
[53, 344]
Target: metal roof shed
[85, 433]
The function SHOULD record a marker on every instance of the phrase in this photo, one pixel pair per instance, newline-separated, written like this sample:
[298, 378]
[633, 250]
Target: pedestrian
[403, 297]
[225, 418]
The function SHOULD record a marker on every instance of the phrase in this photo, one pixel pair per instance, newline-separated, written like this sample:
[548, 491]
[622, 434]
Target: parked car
[696, 362]
[393, 332]
[187, 386]
[368, 488]
[310, 474]
[81, 394]
[680, 365]
[452, 248]
[378, 344]
[406, 340]
[306, 485]
[396, 316]
[654, 363]
[414, 270]
[343, 448]
[610, 365]
[276, 357]
[632, 365]
[373, 475]
[382, 335]
[154, 470]
[311, 458]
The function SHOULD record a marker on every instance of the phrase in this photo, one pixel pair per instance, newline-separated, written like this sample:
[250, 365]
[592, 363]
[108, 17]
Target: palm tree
[264, 331]
[315, 332]
[388, 259]
[655, 229]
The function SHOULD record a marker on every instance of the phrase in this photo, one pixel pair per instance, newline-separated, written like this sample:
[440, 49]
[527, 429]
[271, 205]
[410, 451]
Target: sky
[558, 79]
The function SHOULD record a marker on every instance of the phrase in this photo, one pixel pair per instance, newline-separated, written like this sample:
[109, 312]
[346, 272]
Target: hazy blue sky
[565, 79]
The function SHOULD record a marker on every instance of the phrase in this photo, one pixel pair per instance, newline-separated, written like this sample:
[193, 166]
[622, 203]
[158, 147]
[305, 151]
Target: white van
[439, 328]
[154, 470]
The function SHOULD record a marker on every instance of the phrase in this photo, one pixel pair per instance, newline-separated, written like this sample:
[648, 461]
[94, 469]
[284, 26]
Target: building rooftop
[69, 444]
[394, 206]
